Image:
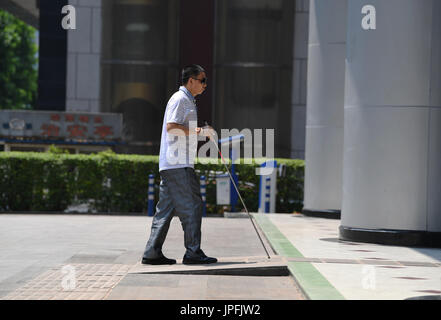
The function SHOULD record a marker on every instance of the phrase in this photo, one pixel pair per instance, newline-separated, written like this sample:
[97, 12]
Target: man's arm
[180, 130]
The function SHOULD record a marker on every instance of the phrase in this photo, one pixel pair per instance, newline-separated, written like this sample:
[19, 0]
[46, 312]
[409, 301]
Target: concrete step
[239, 266]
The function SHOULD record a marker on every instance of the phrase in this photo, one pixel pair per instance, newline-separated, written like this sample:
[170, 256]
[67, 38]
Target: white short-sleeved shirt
[179, 151]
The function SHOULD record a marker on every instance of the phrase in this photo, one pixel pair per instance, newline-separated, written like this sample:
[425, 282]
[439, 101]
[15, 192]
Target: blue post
[267, 195]
[151, 195]
[234, 197]
[204, 195]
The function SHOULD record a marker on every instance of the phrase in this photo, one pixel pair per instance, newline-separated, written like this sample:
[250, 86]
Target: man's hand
[207, 131]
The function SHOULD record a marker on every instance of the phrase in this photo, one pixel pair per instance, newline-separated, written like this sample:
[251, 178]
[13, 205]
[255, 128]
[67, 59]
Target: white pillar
[325, 103]
[392, 141]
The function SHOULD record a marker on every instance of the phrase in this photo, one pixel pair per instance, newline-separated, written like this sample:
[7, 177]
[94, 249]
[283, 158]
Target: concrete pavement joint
[366, 261]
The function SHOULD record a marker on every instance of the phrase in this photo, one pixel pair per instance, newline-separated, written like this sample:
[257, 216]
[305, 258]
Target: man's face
[198, 85]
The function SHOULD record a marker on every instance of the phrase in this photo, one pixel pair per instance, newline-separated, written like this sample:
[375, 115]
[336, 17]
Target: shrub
[119, 183]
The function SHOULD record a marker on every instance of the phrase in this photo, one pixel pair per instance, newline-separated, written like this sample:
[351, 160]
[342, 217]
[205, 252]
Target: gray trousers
[179, 193]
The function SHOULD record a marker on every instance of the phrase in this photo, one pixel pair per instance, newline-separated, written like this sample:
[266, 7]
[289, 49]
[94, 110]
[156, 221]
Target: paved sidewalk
[73, 257]
[97, 257]
[327, 268]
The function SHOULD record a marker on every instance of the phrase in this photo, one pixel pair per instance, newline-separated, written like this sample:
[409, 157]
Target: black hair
[191, 71]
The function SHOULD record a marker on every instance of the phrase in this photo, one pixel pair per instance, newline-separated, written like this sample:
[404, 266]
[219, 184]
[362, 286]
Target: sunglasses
[203, 80]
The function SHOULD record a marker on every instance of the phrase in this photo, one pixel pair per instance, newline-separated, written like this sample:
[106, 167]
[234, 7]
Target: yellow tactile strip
[72, 282]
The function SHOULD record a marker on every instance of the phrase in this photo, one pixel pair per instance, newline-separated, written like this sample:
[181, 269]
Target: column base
[407, 238]
[328, 214]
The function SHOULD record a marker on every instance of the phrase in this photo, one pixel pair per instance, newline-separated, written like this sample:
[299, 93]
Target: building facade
[360, 104]
[125, 56]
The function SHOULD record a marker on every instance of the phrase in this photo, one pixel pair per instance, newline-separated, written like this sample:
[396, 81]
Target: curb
[310, 281]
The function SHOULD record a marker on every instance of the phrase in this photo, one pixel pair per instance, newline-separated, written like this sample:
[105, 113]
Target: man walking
[179, 191]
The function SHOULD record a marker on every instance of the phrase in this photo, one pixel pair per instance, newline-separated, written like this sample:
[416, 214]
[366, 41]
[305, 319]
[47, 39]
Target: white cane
[237, 190]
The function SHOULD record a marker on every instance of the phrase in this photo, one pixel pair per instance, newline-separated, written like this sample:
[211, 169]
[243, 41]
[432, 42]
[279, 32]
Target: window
[140, 64]
[253, 66]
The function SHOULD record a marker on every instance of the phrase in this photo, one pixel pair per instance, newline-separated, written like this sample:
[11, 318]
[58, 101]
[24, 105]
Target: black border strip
[328, 214]
[410, 238]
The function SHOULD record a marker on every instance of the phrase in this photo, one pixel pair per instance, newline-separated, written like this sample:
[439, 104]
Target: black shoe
[199, 260]
[158, 261]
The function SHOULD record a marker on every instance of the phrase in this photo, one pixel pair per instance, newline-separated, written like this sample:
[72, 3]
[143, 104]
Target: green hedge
[119, 183]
